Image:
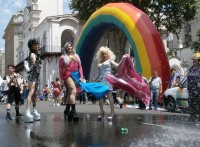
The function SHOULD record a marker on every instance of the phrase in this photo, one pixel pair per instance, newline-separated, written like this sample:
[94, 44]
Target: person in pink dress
[70, 62]
[56, 91]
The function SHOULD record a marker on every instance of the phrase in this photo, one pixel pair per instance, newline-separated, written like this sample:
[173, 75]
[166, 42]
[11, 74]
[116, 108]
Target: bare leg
[72, 91]
[72, 99]
[111, 103]
[30, 94]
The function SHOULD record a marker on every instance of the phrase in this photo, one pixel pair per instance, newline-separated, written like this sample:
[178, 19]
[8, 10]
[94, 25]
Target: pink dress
[66, 66]
[56, 89]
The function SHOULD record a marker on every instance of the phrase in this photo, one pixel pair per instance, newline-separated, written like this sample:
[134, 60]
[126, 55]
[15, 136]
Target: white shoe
[110, 118]
[29, 117]
[54, 104]
[58, 105]
[36, 115]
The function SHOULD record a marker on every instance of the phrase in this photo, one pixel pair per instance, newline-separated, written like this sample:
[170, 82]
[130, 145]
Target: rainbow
[145, 40]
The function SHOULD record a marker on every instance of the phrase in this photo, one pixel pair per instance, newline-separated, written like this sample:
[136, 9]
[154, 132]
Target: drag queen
[33, 75]
[70, 62]
[106, 61]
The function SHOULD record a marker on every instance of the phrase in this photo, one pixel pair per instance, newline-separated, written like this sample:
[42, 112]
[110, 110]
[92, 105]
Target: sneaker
[58, 105]
[54, 104]
[29, 117]
[36, 115]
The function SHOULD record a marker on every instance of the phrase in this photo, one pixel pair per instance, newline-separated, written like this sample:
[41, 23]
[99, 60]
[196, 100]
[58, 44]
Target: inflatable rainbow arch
[145, 40]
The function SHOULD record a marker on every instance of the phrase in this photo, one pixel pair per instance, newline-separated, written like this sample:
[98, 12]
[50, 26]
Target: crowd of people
[16, 88]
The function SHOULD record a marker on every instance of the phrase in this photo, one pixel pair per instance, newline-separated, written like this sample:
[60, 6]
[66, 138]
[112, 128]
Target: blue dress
[104, 70]
[98, 90]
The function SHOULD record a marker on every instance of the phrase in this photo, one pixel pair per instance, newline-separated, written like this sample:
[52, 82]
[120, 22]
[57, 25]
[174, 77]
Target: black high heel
[67, 115]
[74, 116]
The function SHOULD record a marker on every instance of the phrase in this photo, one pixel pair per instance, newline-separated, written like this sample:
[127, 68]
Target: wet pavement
[144, 128]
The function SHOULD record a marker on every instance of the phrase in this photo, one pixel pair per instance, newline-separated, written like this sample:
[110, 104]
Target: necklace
[72, 58]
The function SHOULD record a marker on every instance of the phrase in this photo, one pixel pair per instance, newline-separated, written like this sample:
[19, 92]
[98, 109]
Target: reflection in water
[143, 130]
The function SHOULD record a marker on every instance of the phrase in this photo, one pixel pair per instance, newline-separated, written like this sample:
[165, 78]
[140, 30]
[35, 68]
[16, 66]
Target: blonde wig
[104, 49]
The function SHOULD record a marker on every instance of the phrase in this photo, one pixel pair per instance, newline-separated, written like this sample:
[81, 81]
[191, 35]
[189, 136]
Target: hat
[196, 56]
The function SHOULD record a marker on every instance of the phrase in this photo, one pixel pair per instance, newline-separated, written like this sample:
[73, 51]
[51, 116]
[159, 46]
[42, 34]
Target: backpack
[26, 66]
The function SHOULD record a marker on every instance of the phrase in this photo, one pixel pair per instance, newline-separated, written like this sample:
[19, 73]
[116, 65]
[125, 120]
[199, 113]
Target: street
[143, 128]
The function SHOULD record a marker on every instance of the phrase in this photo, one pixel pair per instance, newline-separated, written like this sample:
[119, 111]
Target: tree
[170, 14]
[196, 44]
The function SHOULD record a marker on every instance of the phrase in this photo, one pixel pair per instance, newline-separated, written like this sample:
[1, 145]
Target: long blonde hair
[104, 49]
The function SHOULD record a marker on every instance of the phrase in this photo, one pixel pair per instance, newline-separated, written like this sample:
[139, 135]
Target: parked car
[176, 97]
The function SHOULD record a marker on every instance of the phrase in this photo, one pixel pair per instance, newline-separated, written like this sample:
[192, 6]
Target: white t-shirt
[155, 84]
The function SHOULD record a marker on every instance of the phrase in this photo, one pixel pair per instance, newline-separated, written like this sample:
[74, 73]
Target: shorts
[14, 95]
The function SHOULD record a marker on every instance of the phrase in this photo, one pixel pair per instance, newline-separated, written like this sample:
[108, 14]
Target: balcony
[50, 50]
[45, 51]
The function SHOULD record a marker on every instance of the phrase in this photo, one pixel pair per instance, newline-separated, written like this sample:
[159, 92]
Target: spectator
[194, 88]
[155, 84]
[56, 91]
[176, 82]
[13, 92]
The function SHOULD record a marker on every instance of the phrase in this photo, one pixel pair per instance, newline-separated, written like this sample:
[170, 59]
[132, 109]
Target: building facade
[180, 45]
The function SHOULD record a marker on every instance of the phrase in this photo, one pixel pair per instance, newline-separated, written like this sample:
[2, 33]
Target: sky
[10, 7]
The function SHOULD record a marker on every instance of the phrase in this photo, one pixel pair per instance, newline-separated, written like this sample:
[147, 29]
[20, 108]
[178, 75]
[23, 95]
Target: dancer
[194, 87]
[14, 91]
[56, 91]
[70, 62]
[33, 75]
[106, 61]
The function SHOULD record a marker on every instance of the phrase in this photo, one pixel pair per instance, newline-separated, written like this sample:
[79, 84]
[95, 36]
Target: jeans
[155, 94]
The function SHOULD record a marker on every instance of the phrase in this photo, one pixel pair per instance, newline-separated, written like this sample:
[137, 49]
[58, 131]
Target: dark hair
[31, 42]
[57, 78]
[11, 65]
[178, 77]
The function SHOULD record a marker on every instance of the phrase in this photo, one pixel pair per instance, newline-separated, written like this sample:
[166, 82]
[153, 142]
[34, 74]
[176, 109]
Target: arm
[114, 64]
[33, 58]
[61, 64]
[80, 68]
[160, 86]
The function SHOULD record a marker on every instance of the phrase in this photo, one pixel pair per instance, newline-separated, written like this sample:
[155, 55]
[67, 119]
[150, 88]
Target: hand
[82, 80]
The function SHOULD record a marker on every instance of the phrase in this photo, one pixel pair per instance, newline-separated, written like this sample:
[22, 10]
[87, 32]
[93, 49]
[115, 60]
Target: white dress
[104, 70]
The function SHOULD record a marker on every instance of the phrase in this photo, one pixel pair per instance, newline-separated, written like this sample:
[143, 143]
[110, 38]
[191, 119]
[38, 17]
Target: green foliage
[196, 44]
[164, 13]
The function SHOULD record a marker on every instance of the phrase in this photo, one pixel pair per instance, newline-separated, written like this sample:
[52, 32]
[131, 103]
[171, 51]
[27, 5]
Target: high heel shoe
[74, 116]
[101, 116]
[67, 115]
[110, 118]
